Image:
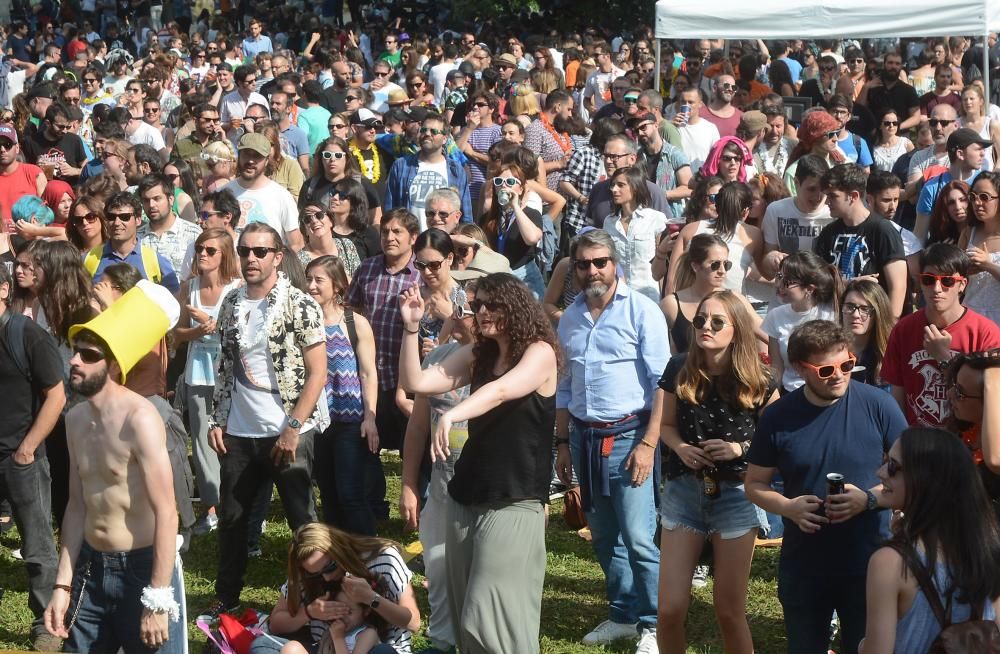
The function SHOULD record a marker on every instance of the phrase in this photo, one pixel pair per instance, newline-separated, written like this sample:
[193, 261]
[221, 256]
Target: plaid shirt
[375, 292]
[176, 244]
[584, 169]
[538, 140]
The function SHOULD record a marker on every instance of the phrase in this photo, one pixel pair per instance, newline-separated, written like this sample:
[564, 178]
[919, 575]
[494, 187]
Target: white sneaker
[608, 632]
[700, 577]
[16, 554]
[647, 643]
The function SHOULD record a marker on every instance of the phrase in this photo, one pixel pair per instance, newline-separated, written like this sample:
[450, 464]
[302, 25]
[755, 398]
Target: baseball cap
[256, 142]
[365, 117]
[964, 137]
[486, 262]
[416, 114]
[43, 90]
[8, 132]
[639, 119]
[753, 121]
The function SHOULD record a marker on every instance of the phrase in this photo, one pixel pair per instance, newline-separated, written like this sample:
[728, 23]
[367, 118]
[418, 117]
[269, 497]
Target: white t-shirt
[148, 135]
[437, 77]
[790, 229]
[271, 204]
[15, 82]
[696, 141]
[256, 410]
[779, 323]
[429, 176]
[599, 86]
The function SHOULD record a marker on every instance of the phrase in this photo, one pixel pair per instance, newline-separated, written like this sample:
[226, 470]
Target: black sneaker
[217, 608]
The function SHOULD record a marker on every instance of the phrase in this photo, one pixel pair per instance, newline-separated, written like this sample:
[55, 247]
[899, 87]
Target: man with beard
[120, 530]
[16, 178]
[294, 141]
[830, 425]
[335, 97]
[720, 110]
[165, 232]
[887, 91]
[261, 199]
[408, 142]
[821, 89]
[54, 147]
[619, 152]
[666, 166]
[771, 154]
[374, 161]
[206, 129]
[122, 217]
[547, 137]
[414, 176]
[616, 415]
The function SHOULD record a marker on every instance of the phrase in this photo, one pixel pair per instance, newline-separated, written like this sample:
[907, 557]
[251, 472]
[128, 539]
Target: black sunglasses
[936, 122]
[715, 265]
[476, 305]
[598, 262]
[892, 466]
[124, 217]
[433, 266]
[329, 568]
[88, 355]
[207, 249]
[259, 252]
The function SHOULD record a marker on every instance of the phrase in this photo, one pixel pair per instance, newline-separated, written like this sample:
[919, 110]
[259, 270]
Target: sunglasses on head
[89, 218]
[511, 182]
[715, 265]
[208, 249]
[827, 371]
[330, 155]
[88, 355]
[598, 262]
[716, 323]
[259, 252]
[432, 266]
[892, 466]
[329, 568]
[476, 305]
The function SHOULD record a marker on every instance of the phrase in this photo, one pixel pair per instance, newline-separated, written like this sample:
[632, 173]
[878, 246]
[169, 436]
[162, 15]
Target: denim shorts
[731, 515]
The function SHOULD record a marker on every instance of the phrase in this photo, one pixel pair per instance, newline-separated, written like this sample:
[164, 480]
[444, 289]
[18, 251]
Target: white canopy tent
[829, 19]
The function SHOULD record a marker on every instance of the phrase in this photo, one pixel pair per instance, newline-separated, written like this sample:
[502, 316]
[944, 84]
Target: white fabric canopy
[817, 19]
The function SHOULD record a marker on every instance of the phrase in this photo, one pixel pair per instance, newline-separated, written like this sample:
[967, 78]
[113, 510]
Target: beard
[596, 289]
[90, 386]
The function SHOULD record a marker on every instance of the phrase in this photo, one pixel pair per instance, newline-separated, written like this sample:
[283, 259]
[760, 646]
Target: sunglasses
[631, 99]
[480, 105]
[711, 197]
[124, 217]
[462, 251]
[784, 281]
[151, 110]
[947, 281]
[441, 215]
[477, 305]
[330, 155]
[350, 98]
[511, 182]
[827, 371]
[90, 80]
[309, 216]
[204, 215]
[833, 135]
[382, 74]
[434, 132]
[890, 123]
[462, 312]
[716, 323]
[862, 310]
[89, 218]
[88, 355]
[727, 87]
[598, 262]
[333, 126]
[329, 568]
[432, 266]
[377, 125]
[731, 158]
[259, 252]
[982, 197]
[937, 122]
[715, 265]
[892, 466]
[828, 69]
[207, 249]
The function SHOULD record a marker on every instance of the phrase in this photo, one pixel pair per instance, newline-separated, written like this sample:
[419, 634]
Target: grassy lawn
[573, 601]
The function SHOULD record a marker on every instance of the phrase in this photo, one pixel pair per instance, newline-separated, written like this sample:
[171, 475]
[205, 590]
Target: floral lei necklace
[562, 140]
[971, 439]
[376, 168]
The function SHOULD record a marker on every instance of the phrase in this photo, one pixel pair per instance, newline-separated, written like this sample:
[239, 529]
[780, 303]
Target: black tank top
[508, 456]
[680, 332]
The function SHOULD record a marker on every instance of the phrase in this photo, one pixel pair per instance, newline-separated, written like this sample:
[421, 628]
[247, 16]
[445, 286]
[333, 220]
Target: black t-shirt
[335, 100]
[21, 398]
[901, 98]
[512, 245]
[40, 150]
[318, 190]
[861, 250]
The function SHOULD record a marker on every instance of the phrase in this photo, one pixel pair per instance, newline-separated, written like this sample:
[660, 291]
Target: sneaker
[16, 554]
[647, 642]
[47, 643]
[608, 632]
[217, 608]
[206, 524]
[255, 552]
[700, 577]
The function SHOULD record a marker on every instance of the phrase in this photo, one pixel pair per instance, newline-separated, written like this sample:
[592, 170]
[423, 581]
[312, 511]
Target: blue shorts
[731, 515]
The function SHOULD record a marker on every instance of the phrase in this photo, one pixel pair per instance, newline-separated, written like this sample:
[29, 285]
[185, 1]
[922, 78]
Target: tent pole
[657, 87]
[986, 64]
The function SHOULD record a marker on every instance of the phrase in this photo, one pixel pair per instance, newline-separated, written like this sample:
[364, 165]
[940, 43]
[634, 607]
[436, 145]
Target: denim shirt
[637, 247]
[613, 365]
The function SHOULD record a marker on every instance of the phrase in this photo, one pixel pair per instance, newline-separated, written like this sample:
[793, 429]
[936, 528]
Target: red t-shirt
[13, 186]
[908, 364]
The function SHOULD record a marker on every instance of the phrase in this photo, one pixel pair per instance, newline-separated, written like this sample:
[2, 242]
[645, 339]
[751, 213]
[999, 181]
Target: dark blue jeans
[809, 603]
[344, 468]
[27, 488]
[105, 610]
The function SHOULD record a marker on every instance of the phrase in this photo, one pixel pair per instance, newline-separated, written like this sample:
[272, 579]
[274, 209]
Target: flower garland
[246, 340]
[971, 439]
[376, 168]
[562, 140]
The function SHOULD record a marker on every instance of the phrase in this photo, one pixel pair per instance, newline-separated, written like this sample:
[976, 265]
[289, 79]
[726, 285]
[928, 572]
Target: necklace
[246, 337]
[562, 140]
[971, 439]
[376, 169]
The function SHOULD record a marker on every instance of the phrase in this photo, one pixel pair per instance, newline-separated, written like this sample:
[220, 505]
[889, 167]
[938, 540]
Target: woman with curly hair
[712, 398]
[496, 498]
[323, 561]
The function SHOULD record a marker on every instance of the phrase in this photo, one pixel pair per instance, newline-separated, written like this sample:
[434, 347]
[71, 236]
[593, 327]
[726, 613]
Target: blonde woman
[973, 115]
[220, 157]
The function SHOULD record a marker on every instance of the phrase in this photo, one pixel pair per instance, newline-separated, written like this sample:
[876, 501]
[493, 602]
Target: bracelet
[415, 331]
[648, 444]
[68, 589]
[161, 600]
[562, 441]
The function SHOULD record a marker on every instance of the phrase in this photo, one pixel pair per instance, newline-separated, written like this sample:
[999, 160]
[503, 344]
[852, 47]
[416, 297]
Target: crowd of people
[748, 291]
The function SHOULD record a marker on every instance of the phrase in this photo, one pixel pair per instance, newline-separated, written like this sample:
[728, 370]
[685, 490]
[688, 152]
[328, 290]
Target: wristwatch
[872, 501]
[294, 423]
[376, 601]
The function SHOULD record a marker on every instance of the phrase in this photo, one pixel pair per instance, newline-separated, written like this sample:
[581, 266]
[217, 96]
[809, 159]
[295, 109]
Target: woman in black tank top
[702, 270]
[502, 475]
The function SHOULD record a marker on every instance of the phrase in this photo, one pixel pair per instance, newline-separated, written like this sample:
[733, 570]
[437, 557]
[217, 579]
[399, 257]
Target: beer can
[834, 483]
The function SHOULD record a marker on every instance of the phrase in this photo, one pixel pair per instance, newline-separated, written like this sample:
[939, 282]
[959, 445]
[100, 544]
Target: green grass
[572, 604]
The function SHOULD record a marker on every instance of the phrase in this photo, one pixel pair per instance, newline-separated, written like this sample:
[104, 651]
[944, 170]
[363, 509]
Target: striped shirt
[343, 385]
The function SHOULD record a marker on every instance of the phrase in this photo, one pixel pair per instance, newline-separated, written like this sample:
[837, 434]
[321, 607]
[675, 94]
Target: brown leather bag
[573, 509]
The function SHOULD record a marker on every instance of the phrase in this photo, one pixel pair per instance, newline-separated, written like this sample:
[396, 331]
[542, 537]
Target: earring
[339, 298]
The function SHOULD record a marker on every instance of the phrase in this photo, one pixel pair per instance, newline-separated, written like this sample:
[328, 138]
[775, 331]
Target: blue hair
[32, 206]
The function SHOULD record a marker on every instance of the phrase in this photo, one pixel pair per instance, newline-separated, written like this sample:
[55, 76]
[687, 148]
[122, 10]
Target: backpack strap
[352, 331]
[919, 570]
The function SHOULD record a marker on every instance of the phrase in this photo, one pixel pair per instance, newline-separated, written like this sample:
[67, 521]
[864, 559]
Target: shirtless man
[119, 534]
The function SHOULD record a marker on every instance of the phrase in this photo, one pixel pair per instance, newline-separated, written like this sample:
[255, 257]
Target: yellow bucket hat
[134, 323]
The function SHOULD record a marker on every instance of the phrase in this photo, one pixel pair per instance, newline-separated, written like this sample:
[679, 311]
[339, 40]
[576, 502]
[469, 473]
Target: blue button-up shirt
[615, 363]
[134, 258]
